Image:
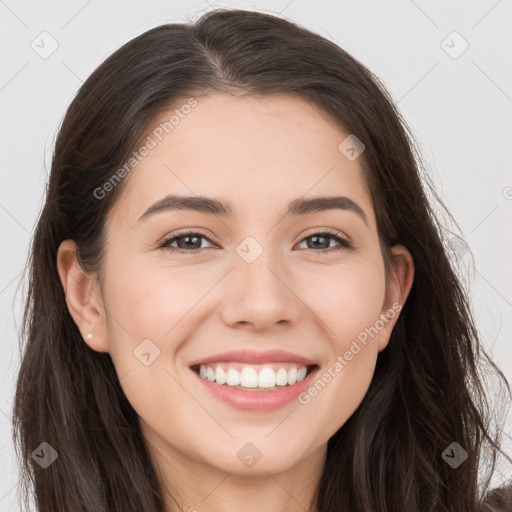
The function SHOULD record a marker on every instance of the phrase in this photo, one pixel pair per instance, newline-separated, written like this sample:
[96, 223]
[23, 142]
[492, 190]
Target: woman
[318, 353]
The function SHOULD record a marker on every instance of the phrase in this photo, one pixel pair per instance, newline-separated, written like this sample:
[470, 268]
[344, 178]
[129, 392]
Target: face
[255, 279]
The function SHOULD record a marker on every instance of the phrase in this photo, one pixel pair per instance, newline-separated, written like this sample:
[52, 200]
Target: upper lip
[254, 357]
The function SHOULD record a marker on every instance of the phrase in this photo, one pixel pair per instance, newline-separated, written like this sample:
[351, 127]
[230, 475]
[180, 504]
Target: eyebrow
[213, 206]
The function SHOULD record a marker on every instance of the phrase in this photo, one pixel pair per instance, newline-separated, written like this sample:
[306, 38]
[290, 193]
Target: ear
[400, 283]
[83, 297]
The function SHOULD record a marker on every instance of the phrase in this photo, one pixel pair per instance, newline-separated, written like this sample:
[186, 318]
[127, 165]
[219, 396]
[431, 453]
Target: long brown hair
[428, 389]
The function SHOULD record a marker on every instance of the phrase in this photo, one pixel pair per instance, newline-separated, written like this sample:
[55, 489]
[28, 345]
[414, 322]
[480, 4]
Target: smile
[254, 389]
[254, 377]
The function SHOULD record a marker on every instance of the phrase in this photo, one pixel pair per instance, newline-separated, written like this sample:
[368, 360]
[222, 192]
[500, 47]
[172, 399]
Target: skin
[249, 152]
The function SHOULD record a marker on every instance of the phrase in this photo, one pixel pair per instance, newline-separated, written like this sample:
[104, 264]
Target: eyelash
[344, 243]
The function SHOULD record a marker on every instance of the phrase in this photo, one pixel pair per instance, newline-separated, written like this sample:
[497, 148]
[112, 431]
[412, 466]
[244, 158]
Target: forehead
[254, 151]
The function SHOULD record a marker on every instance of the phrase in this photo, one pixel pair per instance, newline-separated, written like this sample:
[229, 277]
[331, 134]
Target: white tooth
[266, 378]
[210, 374]
[281, 377]
[249, 378]
[292, 376]
[233, 377]
[301, 374]
[220, 375]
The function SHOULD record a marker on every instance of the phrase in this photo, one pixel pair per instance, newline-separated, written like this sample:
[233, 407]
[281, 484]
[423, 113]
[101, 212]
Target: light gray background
[459, 109]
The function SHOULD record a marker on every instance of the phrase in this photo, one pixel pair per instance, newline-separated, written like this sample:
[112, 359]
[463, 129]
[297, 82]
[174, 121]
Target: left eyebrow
[213, 206]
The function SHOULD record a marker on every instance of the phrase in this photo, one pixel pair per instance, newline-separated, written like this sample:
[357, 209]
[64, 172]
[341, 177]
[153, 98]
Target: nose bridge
[257, 266]
[259, 292]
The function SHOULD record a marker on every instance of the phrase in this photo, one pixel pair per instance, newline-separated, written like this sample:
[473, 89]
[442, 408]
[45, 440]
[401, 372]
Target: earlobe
[397, 292]
[82, 297]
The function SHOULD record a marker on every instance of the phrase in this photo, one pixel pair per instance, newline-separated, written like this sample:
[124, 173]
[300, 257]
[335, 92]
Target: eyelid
[330, 231]
[188, 231]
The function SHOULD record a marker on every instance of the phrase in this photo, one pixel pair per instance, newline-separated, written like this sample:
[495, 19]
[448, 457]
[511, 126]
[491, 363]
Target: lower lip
[257, 400]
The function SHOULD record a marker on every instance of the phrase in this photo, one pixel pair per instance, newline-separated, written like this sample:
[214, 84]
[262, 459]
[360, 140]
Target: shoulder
[498, 500]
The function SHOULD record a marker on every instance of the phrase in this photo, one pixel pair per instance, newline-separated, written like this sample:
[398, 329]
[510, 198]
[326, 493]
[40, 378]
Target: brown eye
[322, 239]
[188, 241]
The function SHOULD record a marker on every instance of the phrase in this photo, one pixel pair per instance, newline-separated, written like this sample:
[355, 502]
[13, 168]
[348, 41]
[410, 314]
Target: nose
[260, 295]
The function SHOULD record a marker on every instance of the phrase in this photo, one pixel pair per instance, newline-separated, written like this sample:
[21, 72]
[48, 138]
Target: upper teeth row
[250, 378]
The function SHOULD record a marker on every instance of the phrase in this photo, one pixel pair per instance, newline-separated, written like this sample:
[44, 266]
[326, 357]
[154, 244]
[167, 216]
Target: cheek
[149, 300]
[348, 299]
[349, 306]
[147, 318]
[153, 308]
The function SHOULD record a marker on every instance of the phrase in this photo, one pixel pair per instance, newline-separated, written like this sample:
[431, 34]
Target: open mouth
[247, 377]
